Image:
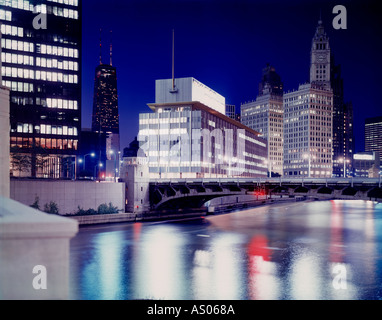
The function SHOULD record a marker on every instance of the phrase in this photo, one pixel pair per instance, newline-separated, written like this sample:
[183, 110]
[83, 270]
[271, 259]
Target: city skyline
[226, 46]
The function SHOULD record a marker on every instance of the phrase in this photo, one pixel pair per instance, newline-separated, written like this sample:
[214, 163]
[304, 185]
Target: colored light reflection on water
[309, 250]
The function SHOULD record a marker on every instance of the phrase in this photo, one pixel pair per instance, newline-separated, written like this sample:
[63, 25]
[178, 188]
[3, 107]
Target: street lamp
[344, 160]
[92, 154]
[99, 165]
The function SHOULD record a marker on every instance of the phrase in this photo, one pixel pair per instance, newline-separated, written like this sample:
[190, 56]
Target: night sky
[225, 45]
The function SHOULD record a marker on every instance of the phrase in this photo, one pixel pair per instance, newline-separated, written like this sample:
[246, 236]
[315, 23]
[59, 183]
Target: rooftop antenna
[100, 46]
[111, 47]
[173, 89]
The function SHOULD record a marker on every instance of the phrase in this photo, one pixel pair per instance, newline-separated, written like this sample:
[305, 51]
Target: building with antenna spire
[105, 116]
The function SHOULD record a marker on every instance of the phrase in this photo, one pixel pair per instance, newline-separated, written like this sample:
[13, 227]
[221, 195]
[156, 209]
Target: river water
[301, 250]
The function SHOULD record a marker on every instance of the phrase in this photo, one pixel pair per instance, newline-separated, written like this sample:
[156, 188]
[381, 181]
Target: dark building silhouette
[42, 67]
[105, 116]
[105, 105]
[132, 150]
[270, 82]
[92, 154]
[343, 139]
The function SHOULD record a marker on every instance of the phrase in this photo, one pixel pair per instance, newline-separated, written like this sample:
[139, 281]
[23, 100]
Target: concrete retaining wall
[68, 194]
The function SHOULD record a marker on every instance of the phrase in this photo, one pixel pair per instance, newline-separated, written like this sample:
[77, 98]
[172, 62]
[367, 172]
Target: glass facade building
[191, 140]
[42, 68]
[373, 135]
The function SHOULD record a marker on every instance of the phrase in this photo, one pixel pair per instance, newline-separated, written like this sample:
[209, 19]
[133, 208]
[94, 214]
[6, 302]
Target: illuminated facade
[308, 132]
[373, 135]
[366, 164]
[191, 140]
[308, 117]
[265, 115]
[42, 68]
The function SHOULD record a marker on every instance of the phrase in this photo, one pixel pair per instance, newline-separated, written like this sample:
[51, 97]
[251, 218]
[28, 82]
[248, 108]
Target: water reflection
[158, 264]
[316, 250]
[263, 283]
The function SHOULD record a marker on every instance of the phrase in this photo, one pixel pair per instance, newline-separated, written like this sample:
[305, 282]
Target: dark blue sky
[225, 45]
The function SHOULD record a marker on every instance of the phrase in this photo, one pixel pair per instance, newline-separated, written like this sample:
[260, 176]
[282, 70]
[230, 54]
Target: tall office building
[41, 64]
[308, 132]
[343, 140]
[373, 135]
[189, 139]
[308, 117]
[105, 116]
[265, 115]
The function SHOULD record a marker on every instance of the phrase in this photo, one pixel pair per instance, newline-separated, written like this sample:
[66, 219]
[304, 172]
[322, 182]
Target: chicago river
[301, 250]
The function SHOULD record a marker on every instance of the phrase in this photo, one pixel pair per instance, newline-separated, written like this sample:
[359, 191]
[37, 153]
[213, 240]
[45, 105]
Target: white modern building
[188, 89]
[191, 140]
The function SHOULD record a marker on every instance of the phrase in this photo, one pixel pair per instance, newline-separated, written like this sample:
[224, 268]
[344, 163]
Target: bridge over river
[181, 193]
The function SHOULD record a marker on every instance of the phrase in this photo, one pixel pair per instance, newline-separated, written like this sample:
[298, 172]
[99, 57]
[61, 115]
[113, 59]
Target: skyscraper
[42, 67]
[265, 115]
[308, 117]
[343, 140]
[373, 135]
[105, 116]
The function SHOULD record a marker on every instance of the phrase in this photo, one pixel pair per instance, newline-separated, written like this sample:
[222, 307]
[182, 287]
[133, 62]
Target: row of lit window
[17, 45]
[59, 64]
[56, 77]
[5, 15]
[67, 2]
[47, 129]
[18, 4]
[18, 86]
[40, 62]
[38, 75]
[12, 30]
[46, 143]
[58, 51]
[61, 103]
[17, 58]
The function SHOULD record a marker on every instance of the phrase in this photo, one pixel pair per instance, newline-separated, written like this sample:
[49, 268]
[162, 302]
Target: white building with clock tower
[308, 118]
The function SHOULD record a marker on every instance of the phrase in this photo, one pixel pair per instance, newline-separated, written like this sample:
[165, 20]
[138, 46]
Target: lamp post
[92, 154]
[99, 165]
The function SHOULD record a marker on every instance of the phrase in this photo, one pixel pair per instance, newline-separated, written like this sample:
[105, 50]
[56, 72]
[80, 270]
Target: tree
[20, 162]
[51, 207]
